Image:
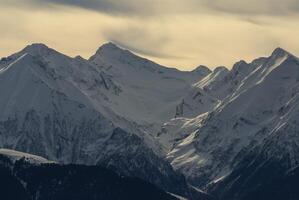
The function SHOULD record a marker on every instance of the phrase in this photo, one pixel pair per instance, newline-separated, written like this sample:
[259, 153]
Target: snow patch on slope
[254, 112]
[17, 155]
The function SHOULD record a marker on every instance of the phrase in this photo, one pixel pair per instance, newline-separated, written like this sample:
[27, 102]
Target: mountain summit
[279, 52]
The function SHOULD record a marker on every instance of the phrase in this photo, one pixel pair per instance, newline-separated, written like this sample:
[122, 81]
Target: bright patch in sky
[182, 34]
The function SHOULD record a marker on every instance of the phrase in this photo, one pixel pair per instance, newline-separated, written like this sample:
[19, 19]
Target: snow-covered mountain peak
[278, 52]
[80, 58]
[111, 50]
[37, 49]
[110, 46]
[241, 68]
[37, 46]
[220, 69]
[110, 55]
[239, 65]
[201, 69]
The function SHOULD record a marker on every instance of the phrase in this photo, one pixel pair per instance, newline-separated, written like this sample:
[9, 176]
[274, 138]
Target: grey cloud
[105, 6]
[113, 7]
[143, 51]
[253, 7]
[153, 7]
[163, 7]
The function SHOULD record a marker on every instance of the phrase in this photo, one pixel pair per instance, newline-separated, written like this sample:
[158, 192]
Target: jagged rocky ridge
[258, 116]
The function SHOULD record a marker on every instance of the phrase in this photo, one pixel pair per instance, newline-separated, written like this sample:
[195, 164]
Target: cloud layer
[158, 7]
[173, 32]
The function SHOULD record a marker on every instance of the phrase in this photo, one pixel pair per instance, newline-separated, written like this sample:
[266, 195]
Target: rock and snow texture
[44, 113]
[262, 109]
[72, 111]
[127, 113]
[195, 103]
[173, 131]
[150, 92]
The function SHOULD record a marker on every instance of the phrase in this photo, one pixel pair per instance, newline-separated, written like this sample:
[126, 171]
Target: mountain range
[199, 134]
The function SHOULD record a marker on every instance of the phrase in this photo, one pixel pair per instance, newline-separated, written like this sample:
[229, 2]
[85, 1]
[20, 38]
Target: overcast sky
[176, 33]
